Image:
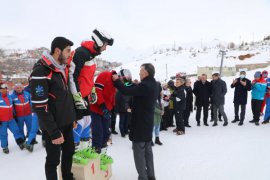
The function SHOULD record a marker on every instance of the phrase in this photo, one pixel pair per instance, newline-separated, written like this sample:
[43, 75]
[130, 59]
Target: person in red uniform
[100, 111]
[22, 105]
[7, 120]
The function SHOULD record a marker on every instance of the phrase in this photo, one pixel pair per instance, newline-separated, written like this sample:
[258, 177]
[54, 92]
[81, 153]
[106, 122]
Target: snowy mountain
[186, 58]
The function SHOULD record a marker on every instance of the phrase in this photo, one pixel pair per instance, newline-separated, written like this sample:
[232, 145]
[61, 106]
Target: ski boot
[78, 159]
[106, 159]
[103, 166]
[88, 153]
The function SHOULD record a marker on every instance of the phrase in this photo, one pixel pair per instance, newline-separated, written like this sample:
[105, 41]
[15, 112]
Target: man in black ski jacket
[53, 103]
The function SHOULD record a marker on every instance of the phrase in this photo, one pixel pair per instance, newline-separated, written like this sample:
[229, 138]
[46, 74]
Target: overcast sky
[134, 24]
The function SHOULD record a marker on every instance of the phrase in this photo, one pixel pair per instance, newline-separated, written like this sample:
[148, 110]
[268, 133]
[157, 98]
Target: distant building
[226, 71]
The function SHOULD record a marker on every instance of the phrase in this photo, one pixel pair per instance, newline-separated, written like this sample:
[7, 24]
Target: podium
[91, 171]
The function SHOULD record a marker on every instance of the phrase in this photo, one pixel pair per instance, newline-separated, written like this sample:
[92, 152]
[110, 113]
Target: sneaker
[265, 122]
[6, 150]
[205, 124]
[225, 124]
[175, 130]
[215, 124]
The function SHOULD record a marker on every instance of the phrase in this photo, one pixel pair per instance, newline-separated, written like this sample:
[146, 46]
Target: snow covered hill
[168, 62]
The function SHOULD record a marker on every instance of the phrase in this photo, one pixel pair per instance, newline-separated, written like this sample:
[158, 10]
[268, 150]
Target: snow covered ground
[204, 153]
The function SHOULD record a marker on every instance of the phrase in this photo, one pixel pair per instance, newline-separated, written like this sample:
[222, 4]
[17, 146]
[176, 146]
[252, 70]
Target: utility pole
[222, 53]
[166, 72]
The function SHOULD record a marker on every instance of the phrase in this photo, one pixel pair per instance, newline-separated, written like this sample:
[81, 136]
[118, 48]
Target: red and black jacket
[82, 71]
[51, 97]
[105, 92]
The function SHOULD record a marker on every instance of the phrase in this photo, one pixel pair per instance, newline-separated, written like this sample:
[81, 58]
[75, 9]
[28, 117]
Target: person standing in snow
[202, 92]
[166, 102]
[81, 72]
[145, 95]
[242, 85]
[22, 105]
[53, 103]
[257, 96]
[7, 120]
[265, 76]
[179, 101]
[189, 102]
[157, 116]
[124, 103]
[171, 88]
[219, 90]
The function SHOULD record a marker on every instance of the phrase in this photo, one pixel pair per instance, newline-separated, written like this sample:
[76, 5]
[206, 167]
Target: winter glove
[80, 103]
[106, 112]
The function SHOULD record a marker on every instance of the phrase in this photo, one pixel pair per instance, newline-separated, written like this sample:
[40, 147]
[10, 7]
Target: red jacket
[82, 68]
[22, 103]
[6, 108]
[105, 92]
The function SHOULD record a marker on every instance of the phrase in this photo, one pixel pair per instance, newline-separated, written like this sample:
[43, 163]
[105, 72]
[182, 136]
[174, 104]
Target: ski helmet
[100, 37]
[125, 74]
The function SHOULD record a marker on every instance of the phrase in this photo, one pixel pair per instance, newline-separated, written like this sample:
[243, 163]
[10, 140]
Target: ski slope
[204, 153]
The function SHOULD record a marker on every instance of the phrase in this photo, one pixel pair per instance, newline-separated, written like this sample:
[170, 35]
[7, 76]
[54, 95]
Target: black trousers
[256, 106]
[113, 120]
[205, 113]
[165, 118]
[179, 118]
[236, 111]
[170, 119]
[186, 117]
[54, 153]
